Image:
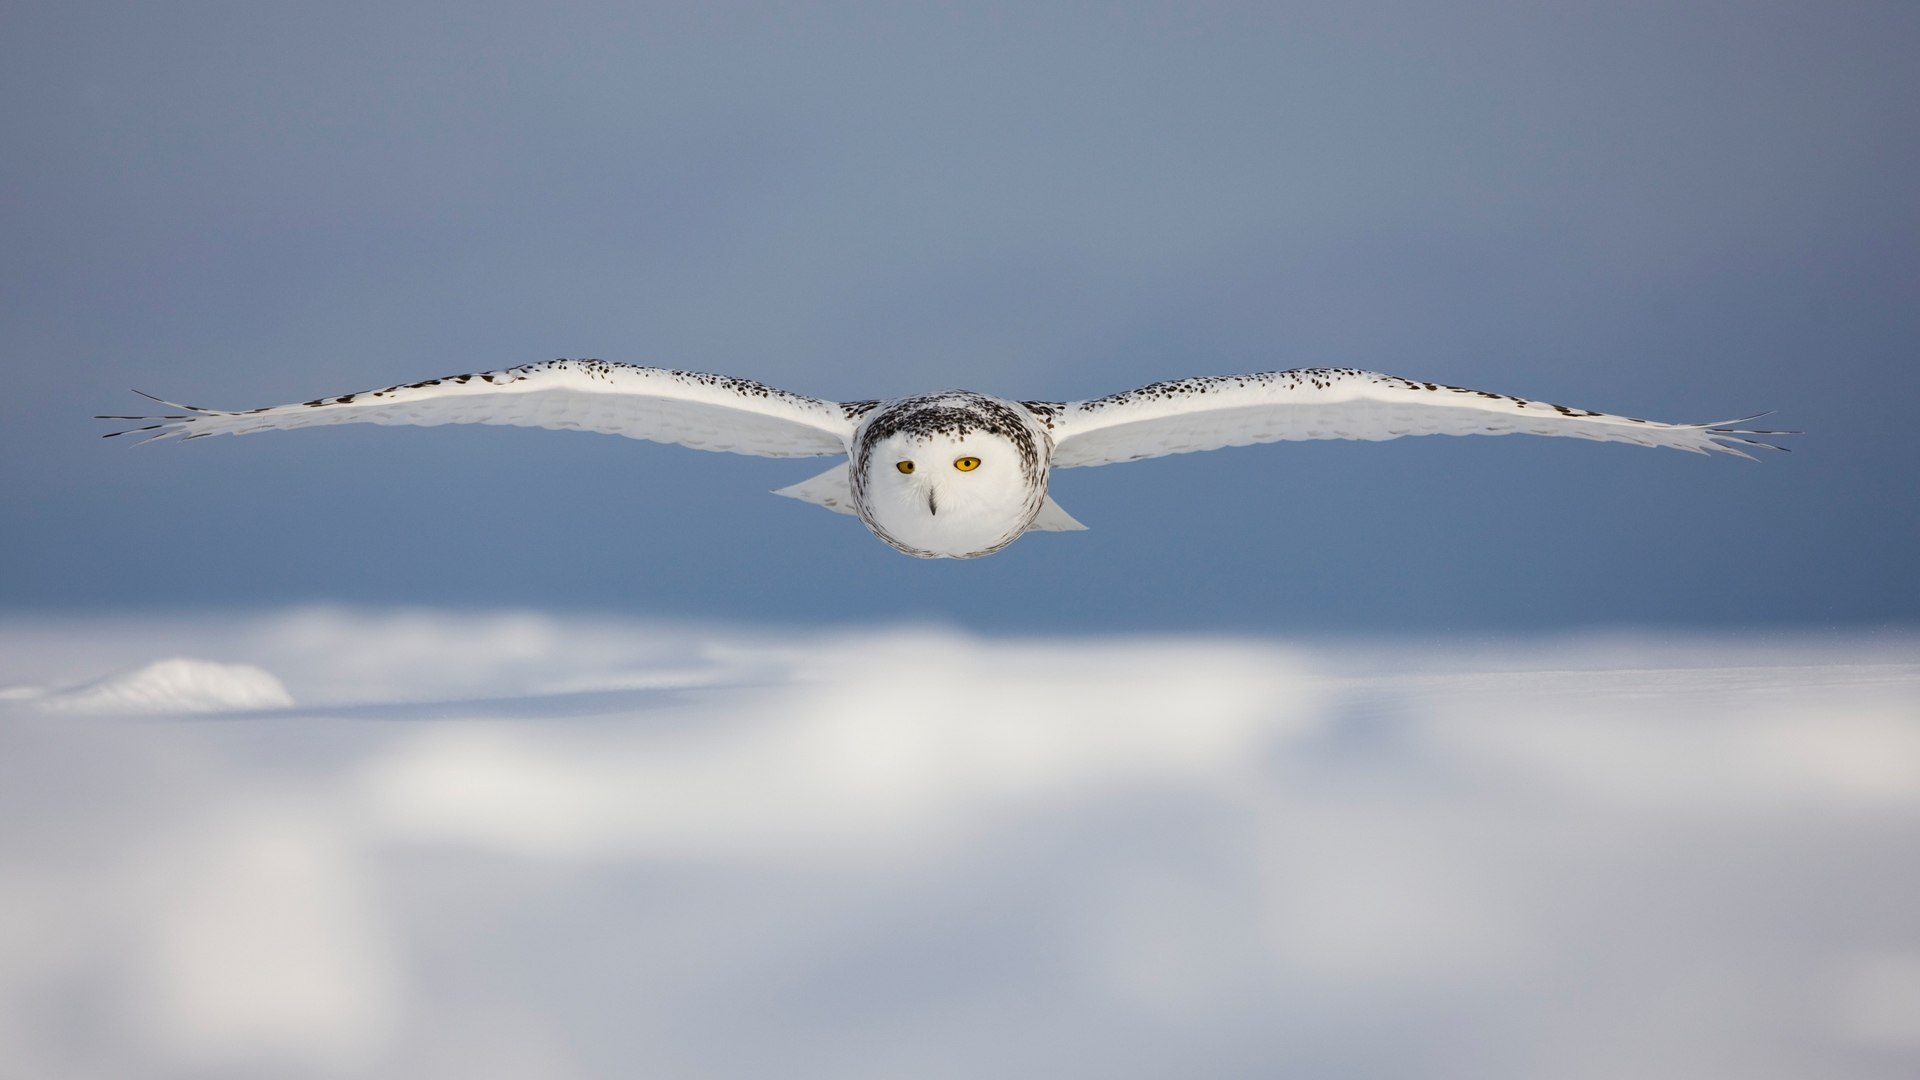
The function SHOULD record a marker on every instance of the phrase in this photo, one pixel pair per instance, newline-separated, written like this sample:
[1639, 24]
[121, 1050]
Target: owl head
[949, 479]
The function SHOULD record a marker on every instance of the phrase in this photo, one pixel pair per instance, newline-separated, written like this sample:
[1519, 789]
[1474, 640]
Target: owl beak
[933, 505]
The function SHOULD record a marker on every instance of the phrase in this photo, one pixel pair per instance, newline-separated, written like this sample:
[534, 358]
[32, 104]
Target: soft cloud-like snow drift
[179, 685]
[523, 846]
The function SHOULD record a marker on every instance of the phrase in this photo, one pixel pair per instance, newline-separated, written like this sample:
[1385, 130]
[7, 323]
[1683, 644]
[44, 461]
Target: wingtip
[170, 404]
[1729, 436]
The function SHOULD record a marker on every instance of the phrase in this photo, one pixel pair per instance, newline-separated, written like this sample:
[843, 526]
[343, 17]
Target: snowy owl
[954, 474]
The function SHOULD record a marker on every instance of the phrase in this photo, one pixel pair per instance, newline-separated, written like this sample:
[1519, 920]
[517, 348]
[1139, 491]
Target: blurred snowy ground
[519, 846]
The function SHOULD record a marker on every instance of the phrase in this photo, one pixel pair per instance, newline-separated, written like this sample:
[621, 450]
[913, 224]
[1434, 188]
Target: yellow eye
[905, 466]
[966, 464]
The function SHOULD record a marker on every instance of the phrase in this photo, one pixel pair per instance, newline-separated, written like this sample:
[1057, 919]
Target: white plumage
[956, 474]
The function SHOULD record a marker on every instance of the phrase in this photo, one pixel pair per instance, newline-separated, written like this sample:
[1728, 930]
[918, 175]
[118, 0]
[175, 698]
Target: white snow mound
[176, 685]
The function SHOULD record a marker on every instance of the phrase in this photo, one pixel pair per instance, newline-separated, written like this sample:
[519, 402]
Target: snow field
[518, 845]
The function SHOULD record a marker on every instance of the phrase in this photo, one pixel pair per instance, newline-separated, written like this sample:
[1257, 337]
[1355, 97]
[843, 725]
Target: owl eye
[966, 464]
[905, 466]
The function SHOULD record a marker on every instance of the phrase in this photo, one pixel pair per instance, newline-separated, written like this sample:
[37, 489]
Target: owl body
[955, 474]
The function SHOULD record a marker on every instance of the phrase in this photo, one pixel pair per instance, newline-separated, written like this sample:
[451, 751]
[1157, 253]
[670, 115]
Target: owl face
[939, 489]
[946, 495]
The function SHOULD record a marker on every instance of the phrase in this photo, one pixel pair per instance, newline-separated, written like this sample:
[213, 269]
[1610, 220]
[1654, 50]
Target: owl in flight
[955, 474]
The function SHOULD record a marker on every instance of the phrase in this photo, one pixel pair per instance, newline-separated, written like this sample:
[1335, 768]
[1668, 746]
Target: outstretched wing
[1186, 415]
[707, 412]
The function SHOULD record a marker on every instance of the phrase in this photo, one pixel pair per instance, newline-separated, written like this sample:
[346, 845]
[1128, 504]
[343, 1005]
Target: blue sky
[1681, 212]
